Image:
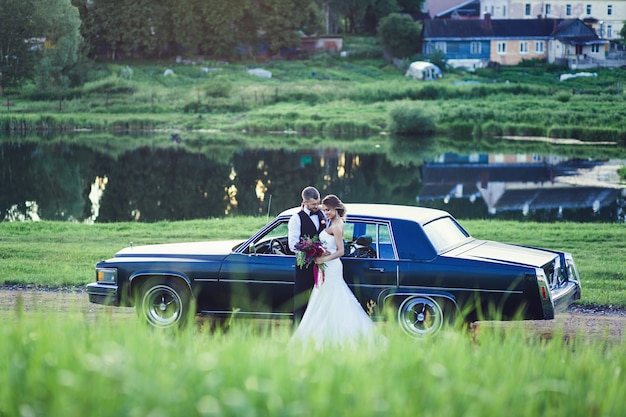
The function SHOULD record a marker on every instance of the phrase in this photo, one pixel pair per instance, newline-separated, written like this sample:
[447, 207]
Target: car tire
[421, 316]
[163, 303]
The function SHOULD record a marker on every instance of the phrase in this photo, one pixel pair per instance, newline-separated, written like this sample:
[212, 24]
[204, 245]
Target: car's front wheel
[421, 316]
[163, 303]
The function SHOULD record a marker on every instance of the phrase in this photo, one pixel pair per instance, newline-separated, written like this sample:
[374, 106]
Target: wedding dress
[333, 317]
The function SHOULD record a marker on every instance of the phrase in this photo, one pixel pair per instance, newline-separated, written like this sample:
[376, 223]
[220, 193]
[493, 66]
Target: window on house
[568, 9]
[609, 9]
[503, 11]
[609, 31]
[502, 47]
[539, 47]
[589, 9]
[475, 48]
[595, 49]
[548, 9]
[527, 9]
[441, 46]
[523, 47]
[492, 11]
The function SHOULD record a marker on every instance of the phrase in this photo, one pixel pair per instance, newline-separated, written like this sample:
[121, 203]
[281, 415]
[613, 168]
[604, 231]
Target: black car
[418, 262]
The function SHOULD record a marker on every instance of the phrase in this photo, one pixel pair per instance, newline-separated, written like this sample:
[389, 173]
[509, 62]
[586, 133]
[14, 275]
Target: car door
[371, 271]
[259, 280]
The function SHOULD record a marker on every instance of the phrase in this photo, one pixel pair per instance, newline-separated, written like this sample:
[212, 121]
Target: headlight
[106, 275]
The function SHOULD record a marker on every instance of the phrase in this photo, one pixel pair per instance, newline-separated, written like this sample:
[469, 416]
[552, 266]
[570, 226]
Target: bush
[218, 87]
[407, 120]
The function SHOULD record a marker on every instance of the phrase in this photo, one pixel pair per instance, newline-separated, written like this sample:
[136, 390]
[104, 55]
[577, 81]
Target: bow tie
[313, 214]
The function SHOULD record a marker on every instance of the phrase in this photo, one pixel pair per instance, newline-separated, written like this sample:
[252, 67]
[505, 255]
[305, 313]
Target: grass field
[326, 95]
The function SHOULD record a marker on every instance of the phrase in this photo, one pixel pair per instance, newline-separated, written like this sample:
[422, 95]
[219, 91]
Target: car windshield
[444, 233]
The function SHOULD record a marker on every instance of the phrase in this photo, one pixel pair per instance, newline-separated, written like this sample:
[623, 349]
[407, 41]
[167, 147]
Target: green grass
[56, 254]
[65, 365]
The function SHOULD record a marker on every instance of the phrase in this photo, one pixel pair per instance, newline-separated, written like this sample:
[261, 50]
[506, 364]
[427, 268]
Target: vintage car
[416, 262]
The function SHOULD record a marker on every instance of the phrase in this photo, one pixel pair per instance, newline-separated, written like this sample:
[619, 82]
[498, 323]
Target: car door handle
[381, 270]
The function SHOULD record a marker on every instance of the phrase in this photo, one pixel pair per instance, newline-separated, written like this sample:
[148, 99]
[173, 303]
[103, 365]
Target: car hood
[221, 247]
[487, 250]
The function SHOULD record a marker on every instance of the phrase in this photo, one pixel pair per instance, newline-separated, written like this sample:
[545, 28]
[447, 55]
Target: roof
[562, 29]
[386, 211]
[438, 7]
[420, 65]
[466, 9]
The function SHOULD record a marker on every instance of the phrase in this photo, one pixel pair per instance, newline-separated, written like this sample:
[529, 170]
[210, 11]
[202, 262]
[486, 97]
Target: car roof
[386, 211]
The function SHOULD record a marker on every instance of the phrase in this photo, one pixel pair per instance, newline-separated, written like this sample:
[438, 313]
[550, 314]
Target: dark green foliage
[400, 35]
[218, 87]
[17, 48]
[409, 119]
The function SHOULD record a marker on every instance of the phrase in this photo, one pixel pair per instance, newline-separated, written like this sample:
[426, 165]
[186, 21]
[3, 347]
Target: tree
[58, 21]
[378, 10]
[280, 21]
[622, 33]
[410, 6]
[353, 12]
[17, 43]
[131, 27]
[400, 35]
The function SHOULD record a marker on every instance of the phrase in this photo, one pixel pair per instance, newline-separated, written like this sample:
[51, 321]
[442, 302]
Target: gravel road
[587, 321]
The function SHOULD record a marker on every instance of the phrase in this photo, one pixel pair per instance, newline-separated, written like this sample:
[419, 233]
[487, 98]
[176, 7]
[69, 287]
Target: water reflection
[72, 181]
[538, 187]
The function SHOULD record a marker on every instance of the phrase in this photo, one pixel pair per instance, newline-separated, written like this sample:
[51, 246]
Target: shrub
[399, 35]
[218, 87]
[406, 120]
[563, 97]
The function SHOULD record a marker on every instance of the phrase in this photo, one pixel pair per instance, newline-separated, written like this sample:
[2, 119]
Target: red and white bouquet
[308, 249]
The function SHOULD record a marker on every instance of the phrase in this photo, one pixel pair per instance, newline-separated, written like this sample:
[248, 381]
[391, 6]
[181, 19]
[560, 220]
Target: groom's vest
[307, 227]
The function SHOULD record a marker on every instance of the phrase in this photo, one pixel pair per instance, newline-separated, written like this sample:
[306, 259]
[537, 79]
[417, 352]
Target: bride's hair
[334, 202]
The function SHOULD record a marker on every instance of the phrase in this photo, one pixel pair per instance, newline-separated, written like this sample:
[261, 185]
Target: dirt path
[598, 321]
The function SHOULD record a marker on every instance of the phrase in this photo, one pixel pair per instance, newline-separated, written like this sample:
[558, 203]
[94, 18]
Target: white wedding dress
[333, 317]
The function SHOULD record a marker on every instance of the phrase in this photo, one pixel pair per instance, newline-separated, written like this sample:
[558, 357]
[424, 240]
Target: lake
[88, 178]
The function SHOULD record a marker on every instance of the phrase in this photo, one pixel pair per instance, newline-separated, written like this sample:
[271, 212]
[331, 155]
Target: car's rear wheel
[163, 303]
[421, 316]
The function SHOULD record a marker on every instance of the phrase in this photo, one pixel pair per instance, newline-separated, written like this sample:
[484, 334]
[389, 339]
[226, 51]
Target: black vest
[307, 227]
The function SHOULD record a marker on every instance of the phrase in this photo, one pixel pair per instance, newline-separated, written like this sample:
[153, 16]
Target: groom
[309, 221]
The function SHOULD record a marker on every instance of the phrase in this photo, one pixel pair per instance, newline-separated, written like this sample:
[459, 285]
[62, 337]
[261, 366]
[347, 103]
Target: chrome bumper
[103, 294]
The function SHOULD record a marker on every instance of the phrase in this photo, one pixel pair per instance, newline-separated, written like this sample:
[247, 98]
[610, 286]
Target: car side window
[367, 240]
[385, 245]
[274, 241]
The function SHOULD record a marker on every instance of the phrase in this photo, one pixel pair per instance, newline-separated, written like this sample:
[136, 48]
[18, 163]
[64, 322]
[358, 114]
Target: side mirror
[252, 249]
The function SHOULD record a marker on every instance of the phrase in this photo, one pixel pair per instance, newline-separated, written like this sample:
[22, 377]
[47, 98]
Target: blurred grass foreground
[63, 365]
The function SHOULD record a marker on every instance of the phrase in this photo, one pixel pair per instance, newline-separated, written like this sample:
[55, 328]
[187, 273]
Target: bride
[333, 318]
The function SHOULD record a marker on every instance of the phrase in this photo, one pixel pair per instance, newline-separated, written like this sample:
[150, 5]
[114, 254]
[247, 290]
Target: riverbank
[327, 95]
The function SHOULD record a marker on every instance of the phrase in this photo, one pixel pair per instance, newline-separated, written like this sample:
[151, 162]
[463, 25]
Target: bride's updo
[334, 202]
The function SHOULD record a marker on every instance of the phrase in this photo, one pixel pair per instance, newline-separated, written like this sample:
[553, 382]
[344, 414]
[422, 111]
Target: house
[606, 17]
[474, 44]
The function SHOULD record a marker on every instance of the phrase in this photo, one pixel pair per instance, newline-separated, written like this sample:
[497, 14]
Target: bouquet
[308, 249]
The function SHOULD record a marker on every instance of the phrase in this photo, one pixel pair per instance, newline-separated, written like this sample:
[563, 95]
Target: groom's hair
[310, 193]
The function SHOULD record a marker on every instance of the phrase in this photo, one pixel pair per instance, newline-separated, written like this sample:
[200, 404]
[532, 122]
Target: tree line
[44, 40]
